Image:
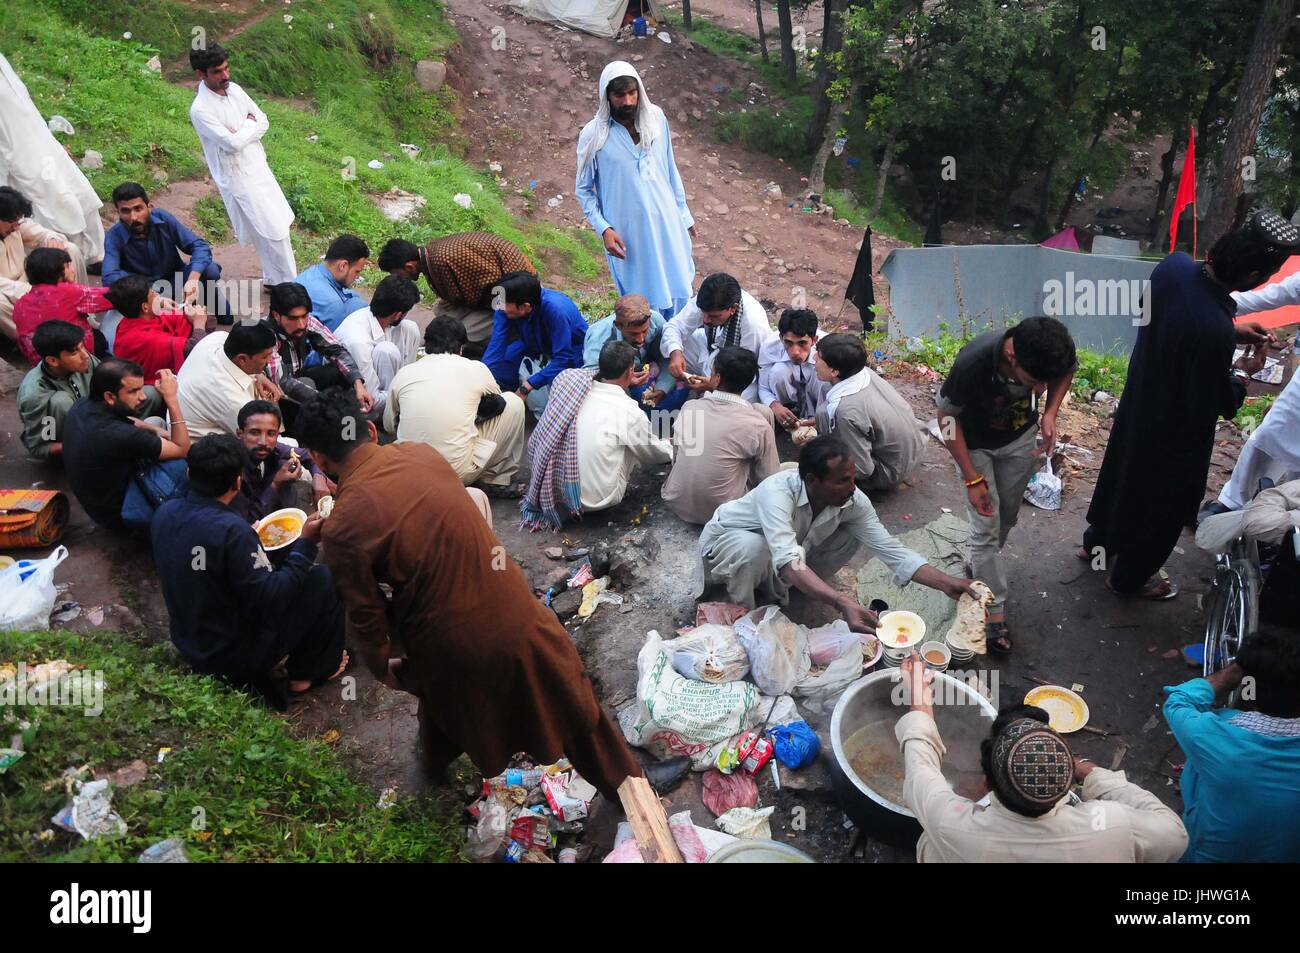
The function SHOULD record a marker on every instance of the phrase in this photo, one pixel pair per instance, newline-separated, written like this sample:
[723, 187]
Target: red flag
[1186, 192]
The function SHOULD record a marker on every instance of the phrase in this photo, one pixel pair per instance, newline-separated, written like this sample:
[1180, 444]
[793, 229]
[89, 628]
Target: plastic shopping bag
[27, 592]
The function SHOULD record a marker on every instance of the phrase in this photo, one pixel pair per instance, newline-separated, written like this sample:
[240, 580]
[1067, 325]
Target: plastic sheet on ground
[697, 844]
[944, 543]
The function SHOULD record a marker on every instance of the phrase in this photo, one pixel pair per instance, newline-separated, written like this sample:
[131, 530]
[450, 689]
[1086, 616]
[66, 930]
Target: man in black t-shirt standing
[989, 421]
[120, 467]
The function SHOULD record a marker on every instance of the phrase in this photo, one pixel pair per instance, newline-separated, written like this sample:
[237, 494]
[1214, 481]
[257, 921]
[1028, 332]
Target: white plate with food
[900, 629]
[280, 529]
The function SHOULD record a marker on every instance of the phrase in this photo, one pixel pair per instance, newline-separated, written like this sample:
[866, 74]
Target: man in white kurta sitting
[1273, 450]
[613, 435]
[33, 162]
[456, 406]
[720, 315]
[222, 374]
[381, 338]
[230, 127]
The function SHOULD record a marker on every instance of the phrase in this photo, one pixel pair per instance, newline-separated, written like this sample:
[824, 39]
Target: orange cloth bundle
[31, 518]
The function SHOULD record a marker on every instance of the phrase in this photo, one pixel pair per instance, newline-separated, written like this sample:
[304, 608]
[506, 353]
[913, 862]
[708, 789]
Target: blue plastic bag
[795, 744]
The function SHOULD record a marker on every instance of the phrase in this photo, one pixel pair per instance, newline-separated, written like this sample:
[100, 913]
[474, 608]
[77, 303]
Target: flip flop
[1160, 588]
[503, 491]
[995, 634]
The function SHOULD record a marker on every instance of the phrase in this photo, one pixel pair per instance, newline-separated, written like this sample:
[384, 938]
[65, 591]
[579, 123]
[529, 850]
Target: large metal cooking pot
[868, 702]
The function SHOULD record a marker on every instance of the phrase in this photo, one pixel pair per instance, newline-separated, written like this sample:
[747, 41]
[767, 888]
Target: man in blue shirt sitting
[538, 328]
[150, 241]
[1241, 783]
[330, 281]
[276, 630]
[633, 321]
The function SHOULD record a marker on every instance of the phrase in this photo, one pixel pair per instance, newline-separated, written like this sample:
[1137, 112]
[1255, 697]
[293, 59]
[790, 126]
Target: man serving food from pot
[797, 529]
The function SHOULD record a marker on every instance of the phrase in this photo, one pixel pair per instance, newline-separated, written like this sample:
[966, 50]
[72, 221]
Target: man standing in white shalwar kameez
[231, 127]
[1273, 450]
[630, 191]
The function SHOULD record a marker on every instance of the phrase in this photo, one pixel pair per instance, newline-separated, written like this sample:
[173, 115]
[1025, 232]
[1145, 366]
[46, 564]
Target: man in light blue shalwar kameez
[630, 191]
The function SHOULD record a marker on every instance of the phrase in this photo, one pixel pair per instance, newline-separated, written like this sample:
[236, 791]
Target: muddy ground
[524, 108]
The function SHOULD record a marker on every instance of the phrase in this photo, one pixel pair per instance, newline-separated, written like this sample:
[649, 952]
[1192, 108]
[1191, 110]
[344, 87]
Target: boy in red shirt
[154, 333]
[56, 296]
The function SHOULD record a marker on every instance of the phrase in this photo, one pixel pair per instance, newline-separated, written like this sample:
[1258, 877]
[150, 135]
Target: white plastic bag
[1044, 489]
[26, 603]
[829, 642]
[709, 653]
[674, 715]
[777, 649]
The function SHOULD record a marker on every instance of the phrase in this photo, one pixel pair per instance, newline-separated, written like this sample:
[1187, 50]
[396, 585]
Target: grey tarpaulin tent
[598, 17]
[1098, 298]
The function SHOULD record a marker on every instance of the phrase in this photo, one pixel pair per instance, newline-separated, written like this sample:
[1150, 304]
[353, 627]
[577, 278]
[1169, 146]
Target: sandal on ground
[998, 637]
[1159, 588]
[326, 679]
[503, 491]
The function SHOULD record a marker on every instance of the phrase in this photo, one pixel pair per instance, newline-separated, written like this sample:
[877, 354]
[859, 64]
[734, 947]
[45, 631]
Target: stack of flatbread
[802, 435]
[967, 632]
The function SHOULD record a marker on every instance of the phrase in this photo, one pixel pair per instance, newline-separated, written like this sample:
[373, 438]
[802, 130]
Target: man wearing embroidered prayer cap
[1026, 815]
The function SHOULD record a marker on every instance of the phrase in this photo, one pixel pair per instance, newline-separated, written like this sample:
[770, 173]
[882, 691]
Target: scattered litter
[581, 576]
[664, 36]
[375, 164]
[796, 744]
[553, 203]
[577, 553]
[60, 124]
[723, 792]
[331, 736]
[313, 138]
[494, 166]
[590, 593]
[162, 754]
[65, 612]
[387, 799]
[1076, 687]
[747, 823]
[1044, 489]
[398, 205]
[95, 615]
[90, 812]
[463, 200]
[1171, 654]
[170, 851]
[128, 775]
[718, 613]
[27, 592]
[410, 149]
[10, 757]
[696, 844]
[154, 65]
[553, 552]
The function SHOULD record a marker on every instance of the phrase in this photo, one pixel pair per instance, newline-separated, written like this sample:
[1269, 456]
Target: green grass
[721, 41]
[260, 793]
[164, 26]
[210, 216]
[366, 104]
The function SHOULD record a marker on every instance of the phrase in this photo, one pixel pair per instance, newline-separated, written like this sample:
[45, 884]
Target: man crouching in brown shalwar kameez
[493, 668]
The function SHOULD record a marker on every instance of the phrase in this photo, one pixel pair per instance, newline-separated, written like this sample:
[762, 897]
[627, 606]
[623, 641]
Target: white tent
[598, 17]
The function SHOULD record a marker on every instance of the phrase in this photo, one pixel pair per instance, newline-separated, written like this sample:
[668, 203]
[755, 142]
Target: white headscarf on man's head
[650, 121]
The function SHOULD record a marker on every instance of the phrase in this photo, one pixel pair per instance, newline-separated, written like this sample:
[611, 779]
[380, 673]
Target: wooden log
[649, 822]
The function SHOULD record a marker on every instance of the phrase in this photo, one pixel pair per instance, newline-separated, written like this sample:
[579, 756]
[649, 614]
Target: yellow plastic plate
[1067, 711]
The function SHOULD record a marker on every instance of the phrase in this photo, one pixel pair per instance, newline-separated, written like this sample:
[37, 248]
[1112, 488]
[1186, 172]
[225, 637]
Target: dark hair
[108, 376]
[1044, 348]
[797, 321]
[205, 58]
[347, 248]
[1272, 659]
[521, 287]
[255, 407]
[52, 338]
[843, 353]
[718, 292]
[128, 294]
[816, 456]
[288, 295]
[396, 253]
[44, 266]
[444, 335]
[251, 338]
[737, 367]
[1013, 713]
[13, 204]
[616, 357]
[1238, 255]
[325, 422]
[622, 84]
[214, 463]
[396, 294]
[128, 191]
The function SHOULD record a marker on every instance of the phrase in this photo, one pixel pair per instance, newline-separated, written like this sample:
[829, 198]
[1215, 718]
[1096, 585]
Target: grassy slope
[264, 795]
[358, 76]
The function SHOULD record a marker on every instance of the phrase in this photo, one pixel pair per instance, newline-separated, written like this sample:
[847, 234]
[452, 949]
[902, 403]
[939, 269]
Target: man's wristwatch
[1241, 375]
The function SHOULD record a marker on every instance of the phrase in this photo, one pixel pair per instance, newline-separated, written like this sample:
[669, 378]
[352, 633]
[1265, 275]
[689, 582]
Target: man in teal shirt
[1241, 783]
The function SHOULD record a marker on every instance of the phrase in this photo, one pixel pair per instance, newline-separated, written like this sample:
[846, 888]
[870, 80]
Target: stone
[696, 114]
[430, 75]
[711, 160]
[566, 604]
[554, 552]
[92, 160]
[558, 579]
[573, 554]
[749, 239]
[721, 210]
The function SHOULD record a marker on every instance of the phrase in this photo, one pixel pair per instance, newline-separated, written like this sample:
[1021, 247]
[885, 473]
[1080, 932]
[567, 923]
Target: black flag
[860, 290]
[934, 230]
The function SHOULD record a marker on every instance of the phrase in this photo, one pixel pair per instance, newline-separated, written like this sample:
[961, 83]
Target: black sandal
[998, 638]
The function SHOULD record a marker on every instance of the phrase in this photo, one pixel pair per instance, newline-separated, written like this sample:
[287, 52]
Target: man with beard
[273, 477]
[230, 127]
[1181, 379]
[298, 337]
[631, 193]
[223, 373]
[149, 241]
[122, 468]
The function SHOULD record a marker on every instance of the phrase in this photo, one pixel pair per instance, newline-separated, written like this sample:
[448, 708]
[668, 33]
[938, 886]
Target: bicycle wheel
[1225, 618]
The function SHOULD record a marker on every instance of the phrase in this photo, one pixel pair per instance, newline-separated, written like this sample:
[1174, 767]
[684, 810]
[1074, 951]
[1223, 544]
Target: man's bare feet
[299, 686]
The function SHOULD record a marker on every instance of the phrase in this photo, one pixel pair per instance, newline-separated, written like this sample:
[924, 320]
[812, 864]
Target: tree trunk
[1045, 197]
[1017, 162]
[787, 40]
[1162, 193]
[1270, 31]
[817, 174]
[762, 35]
[882, 177]
[686, 14]
[821, 99]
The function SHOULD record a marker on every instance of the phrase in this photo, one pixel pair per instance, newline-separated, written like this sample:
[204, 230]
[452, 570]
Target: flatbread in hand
[967, 630]
[802, 435]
